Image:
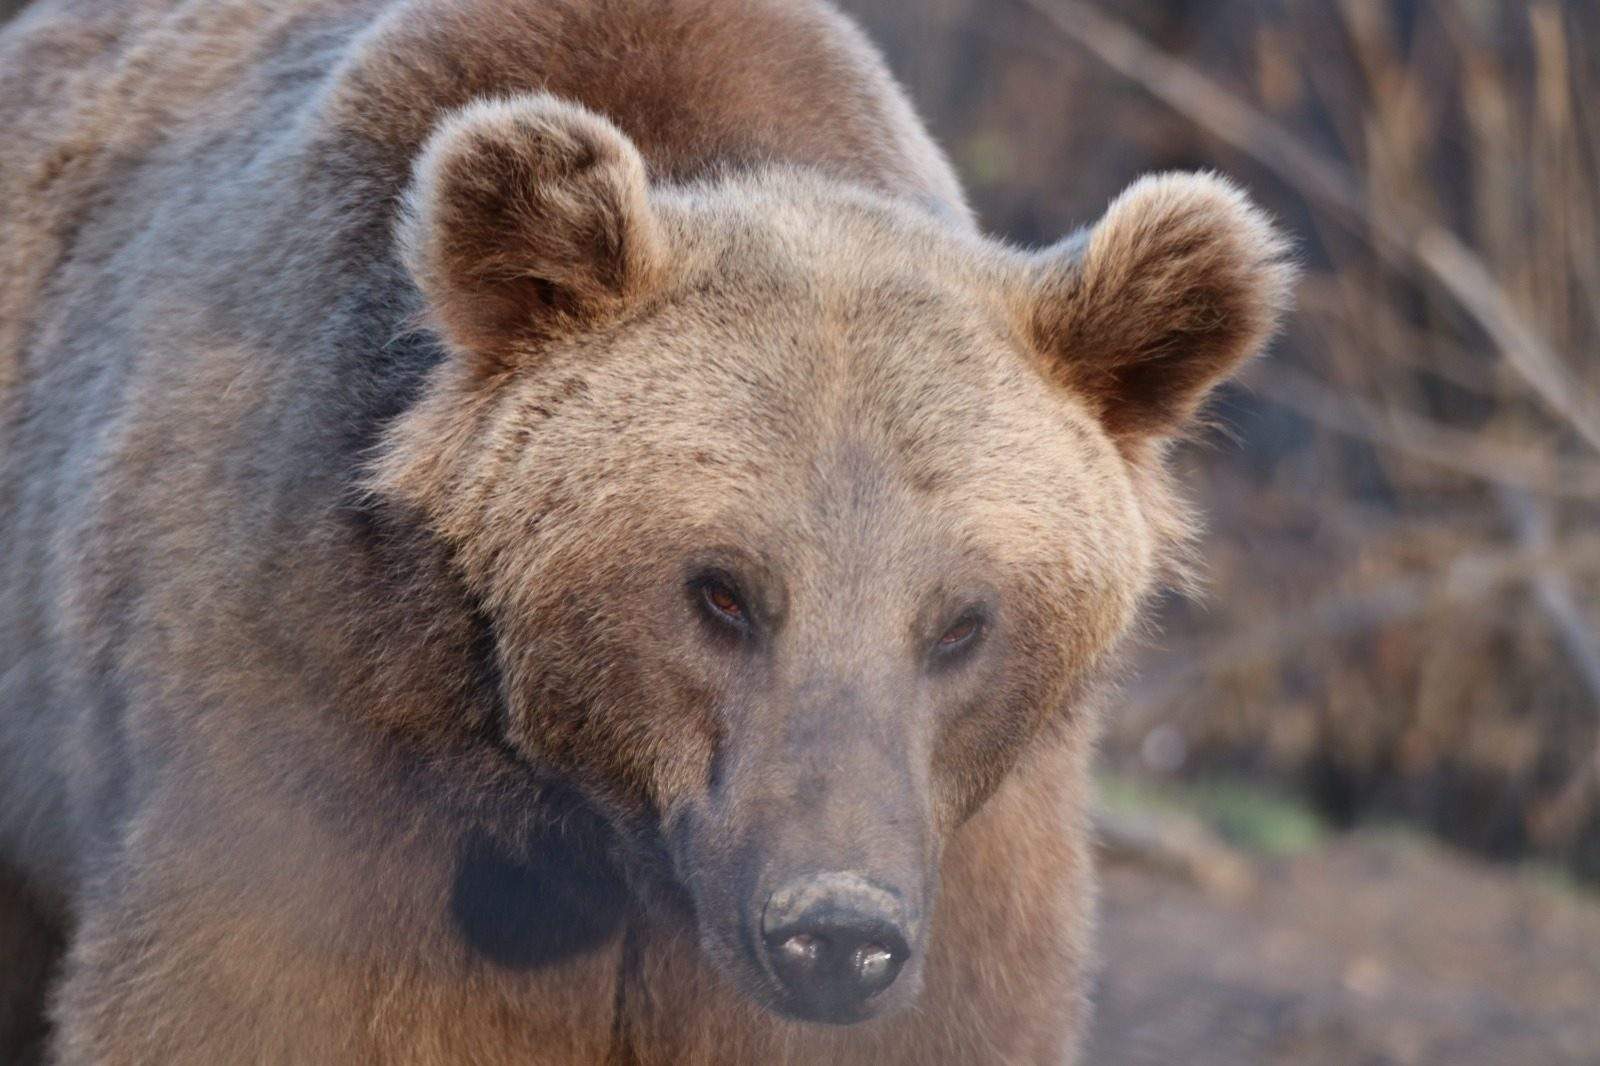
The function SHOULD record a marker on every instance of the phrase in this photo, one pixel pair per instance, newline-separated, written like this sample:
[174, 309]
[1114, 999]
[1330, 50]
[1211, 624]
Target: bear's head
[800, 513]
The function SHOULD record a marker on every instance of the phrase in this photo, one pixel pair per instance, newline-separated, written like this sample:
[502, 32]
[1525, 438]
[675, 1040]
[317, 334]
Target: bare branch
[1530, 469]
[1468, 578]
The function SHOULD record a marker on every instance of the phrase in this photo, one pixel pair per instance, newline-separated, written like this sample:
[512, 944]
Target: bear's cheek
[595, 688]
[1059, 644]
[636, 731]
[982, 735]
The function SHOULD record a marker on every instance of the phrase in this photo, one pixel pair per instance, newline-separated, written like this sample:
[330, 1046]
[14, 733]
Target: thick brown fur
[369, 374]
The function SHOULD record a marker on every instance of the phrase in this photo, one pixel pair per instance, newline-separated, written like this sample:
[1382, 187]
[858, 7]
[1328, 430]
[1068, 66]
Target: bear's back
[92, 91]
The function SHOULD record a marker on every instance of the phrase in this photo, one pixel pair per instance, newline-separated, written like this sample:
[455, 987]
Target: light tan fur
[369, 372]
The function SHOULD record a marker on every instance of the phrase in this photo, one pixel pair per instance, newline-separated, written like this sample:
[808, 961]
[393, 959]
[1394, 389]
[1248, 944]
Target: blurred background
[1351, 806]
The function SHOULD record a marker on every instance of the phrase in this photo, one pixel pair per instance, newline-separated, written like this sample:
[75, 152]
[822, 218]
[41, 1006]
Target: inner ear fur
[1179, 283]
[527, 218]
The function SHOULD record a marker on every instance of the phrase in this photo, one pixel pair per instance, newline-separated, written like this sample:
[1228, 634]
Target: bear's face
[799, 514]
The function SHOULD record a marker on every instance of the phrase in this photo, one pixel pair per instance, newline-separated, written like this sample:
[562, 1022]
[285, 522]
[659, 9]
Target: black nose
[835, 941]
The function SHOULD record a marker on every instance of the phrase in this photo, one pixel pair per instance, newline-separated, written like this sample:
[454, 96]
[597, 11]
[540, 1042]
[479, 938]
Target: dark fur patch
[529, 912]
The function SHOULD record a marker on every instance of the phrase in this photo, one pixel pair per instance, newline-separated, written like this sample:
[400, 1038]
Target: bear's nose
[835, 941]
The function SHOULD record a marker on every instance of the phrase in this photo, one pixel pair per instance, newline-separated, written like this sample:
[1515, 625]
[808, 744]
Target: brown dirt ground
[1371, 949]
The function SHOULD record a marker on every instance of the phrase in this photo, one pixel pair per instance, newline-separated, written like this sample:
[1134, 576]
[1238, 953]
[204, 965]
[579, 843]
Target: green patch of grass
[1556, 879]
[1247, 815]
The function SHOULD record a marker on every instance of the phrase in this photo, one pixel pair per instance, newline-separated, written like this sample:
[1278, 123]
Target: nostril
[874, 967]
[834, 942]
[798, 959]
[802, 949]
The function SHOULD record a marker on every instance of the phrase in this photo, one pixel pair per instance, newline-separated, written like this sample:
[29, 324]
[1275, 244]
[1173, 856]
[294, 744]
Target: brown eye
[724, 602]
[961, 633]
[722, 605]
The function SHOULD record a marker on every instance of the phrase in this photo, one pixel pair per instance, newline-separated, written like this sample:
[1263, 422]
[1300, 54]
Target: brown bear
[538, 531]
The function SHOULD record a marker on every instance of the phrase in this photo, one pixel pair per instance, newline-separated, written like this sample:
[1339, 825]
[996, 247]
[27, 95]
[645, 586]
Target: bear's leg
[30, 947]
[169, 964]
[126, 997]
[189, 953]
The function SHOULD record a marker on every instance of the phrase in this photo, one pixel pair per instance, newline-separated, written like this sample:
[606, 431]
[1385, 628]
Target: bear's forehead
[896, 416]
[852, 315]
[892, 362]
[846, 375]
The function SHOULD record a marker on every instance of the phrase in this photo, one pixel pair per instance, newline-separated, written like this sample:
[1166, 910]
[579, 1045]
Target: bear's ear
[527, 218]
[1179, 283]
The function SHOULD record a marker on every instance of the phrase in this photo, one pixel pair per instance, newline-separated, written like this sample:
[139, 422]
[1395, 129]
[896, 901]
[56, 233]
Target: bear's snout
[835, 942]
[812, 857]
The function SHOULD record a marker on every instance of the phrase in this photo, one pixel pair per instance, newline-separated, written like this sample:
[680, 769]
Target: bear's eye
[723, 604]
[961, 634]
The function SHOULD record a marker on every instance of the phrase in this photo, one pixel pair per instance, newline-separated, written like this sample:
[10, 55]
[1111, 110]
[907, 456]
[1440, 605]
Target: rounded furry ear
[527, 218]
[1181, 281]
